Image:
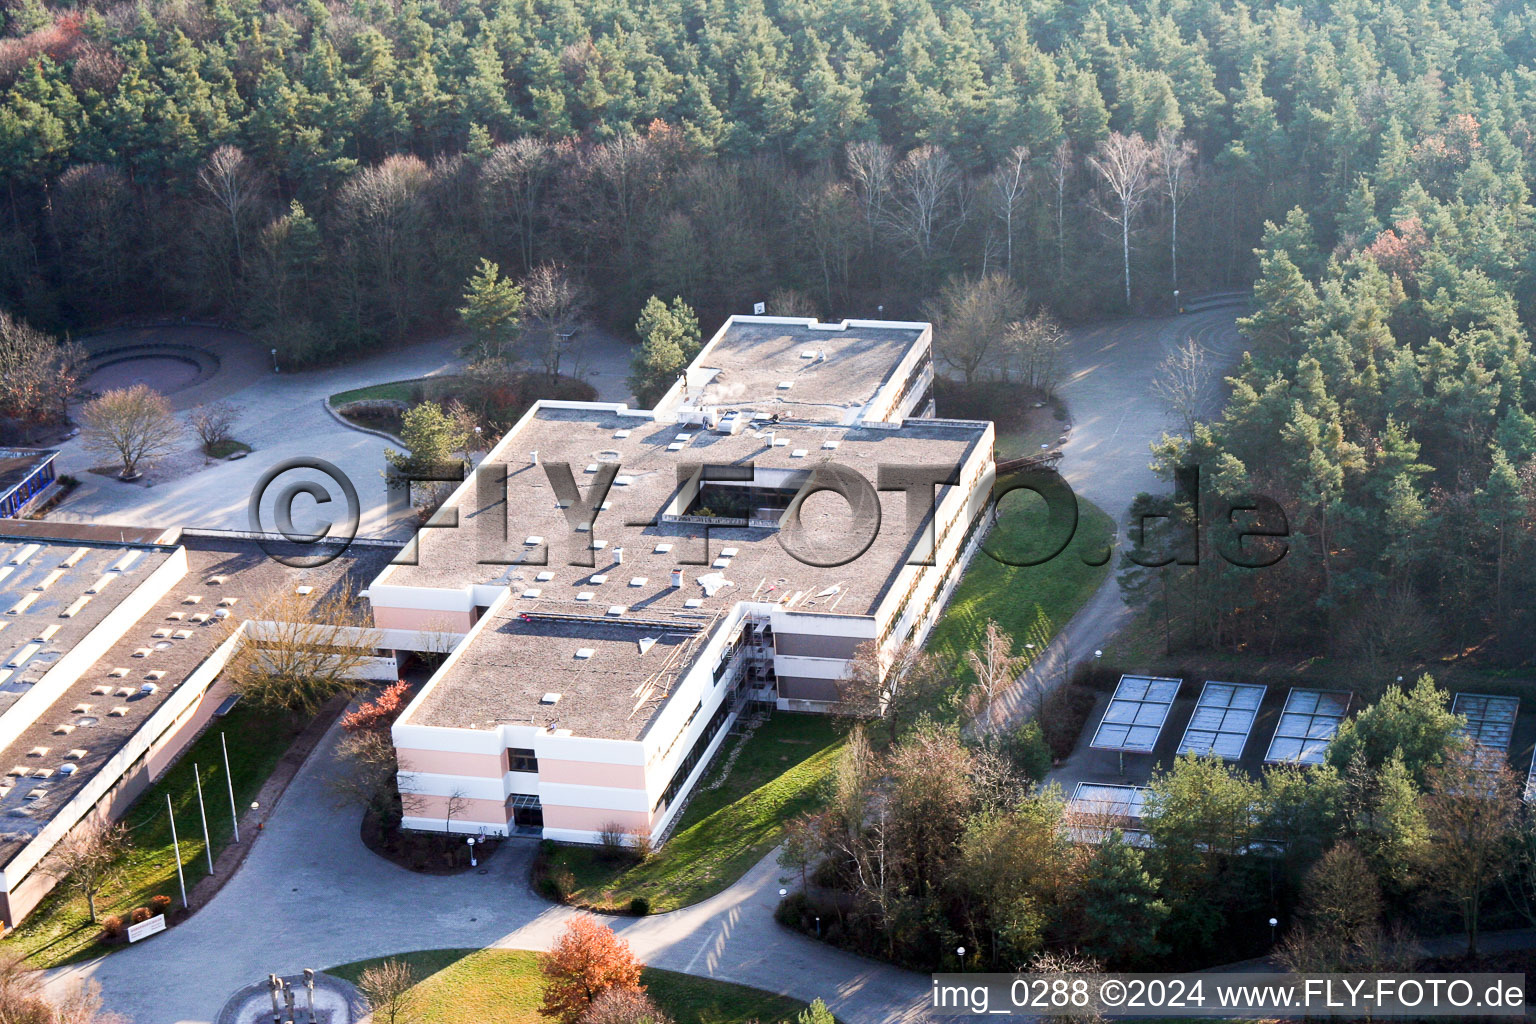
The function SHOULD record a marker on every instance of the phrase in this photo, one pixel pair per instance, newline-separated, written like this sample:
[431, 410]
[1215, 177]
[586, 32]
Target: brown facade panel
[801, 688]
[811, 645]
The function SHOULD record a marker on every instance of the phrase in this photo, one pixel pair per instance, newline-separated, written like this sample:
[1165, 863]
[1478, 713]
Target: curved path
[281, 416]
[1110, 369]
[311, 895]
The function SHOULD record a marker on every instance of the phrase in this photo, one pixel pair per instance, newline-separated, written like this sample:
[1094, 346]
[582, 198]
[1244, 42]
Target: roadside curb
[339, 418]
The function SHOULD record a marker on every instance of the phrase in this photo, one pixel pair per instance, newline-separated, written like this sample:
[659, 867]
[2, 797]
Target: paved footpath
[283, 416]
[1115, 417]
[311, 895]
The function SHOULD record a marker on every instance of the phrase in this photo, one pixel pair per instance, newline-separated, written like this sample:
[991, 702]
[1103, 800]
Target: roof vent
[646, 643]
[218, 613]
[304, 591]
[677, 578]
[68, 769]
[533, 457]
[550, 698]
[584, 652]
[148, 689]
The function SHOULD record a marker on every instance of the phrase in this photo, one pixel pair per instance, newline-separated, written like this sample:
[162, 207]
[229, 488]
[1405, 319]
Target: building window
[521, 759]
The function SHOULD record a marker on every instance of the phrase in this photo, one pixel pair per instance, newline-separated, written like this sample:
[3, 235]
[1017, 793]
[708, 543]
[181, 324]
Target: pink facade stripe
[587, 773]
[444, 762]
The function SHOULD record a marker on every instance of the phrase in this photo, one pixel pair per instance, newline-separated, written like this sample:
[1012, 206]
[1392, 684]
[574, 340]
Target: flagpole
[229, 780]
[180, 878]
[197, 776]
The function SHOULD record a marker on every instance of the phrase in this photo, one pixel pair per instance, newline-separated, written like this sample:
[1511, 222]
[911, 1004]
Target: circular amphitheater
[165, 366]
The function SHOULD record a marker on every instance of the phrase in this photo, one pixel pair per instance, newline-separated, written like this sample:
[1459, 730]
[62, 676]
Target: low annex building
[111, 645]
[614, 586]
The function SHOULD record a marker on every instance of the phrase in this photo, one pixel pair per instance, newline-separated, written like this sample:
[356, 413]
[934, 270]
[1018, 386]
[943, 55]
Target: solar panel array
[1490, 724]
[1222, 719]
[1308, 722]
[1109, 800]
[1136, 713]
[1096, 809]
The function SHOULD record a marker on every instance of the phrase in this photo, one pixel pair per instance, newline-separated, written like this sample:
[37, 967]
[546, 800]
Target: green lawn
[1031, 602]
[723, 831]
[464, 986]
[395, 390]
[59, 930]
[1036, 427]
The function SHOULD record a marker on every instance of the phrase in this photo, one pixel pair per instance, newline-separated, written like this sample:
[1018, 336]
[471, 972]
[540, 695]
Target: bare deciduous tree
[1010, 185]
[387, 988]
[995, 667]
[925, 199]
[1472, 805]
[86, 860]
[213, 424]
[512, 182]
[456, 804]
[1176, 174]
[134, 425]
[553, 307]
[1061, 169]
[23, 1001]
[870, 166]
[38, 375]
[828, 221]
[368, 771]
[300, 650]
[897, 685]
[233, 186]
[970, 321]
[1126, 164]
[1182, 378]
[1036, 346]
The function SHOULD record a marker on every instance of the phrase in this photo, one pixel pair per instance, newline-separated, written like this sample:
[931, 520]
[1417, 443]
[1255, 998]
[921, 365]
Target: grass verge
[224, 449]
[723, 831]
[1031, 602]
[392, 391]
[464, 986]
[59, 931]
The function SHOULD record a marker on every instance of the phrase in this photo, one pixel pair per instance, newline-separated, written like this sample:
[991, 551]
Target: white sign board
[144, 929]
[759, 308]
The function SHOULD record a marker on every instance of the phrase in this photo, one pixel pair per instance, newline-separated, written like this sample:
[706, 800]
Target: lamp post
[1274, 923]
[818, 926]
[783, 893]
[960, 952]
[471, 841]
[1176, 308]
[274, 361]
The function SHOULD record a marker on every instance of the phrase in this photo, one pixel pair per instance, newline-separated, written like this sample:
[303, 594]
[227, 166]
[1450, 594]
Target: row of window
[691, 759]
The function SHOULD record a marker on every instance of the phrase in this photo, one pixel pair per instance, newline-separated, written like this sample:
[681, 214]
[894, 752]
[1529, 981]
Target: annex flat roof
[1308, 723]
[521, 540]
[1135, 715]
[798, 370]
[1222, 719]
[114, 682]
[612, 676]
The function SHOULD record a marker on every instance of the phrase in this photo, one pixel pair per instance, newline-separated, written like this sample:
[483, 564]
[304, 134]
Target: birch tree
[1126, 164]
[1175, 171]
